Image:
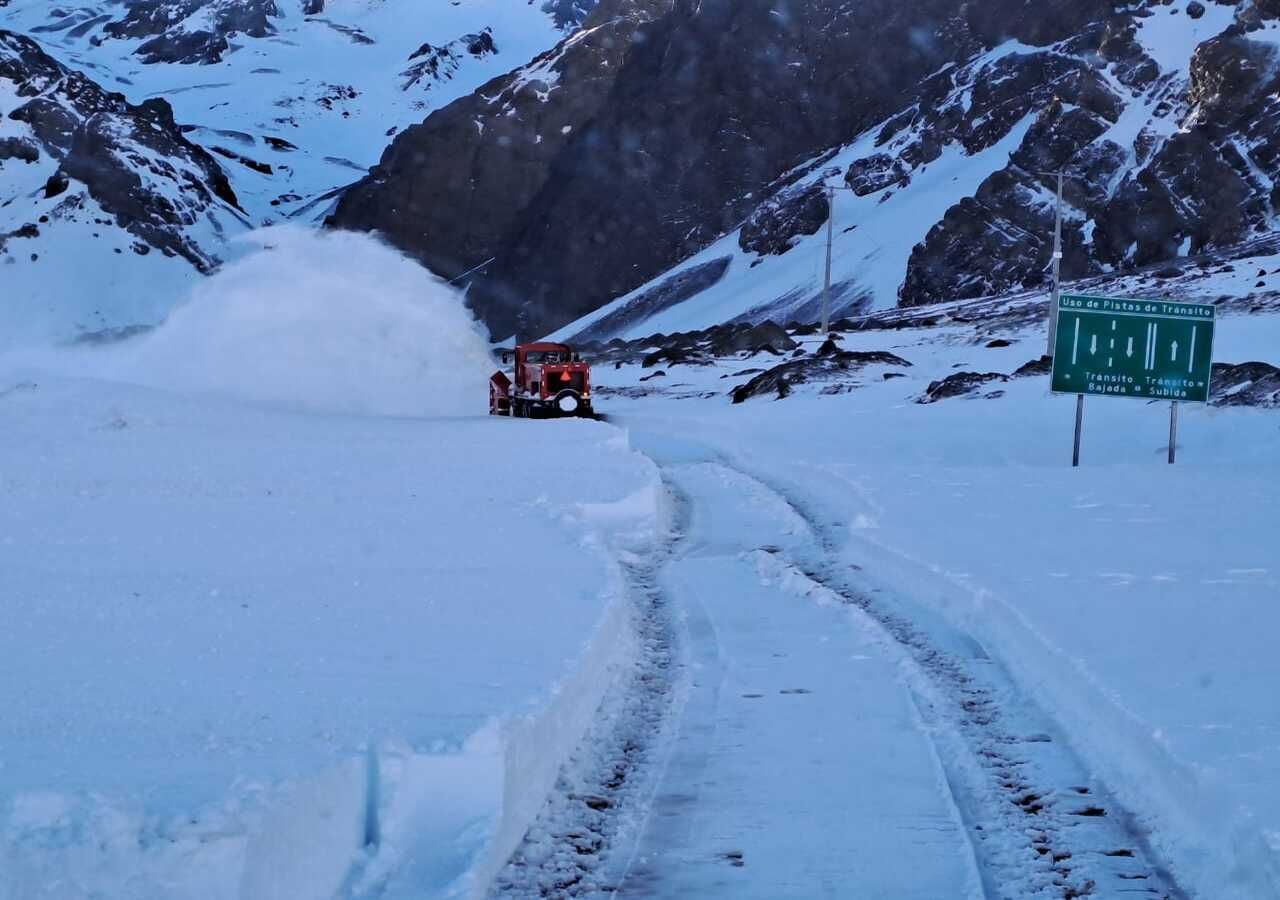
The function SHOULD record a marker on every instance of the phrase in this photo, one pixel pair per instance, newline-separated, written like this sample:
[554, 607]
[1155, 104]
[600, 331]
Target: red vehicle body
[550, 381]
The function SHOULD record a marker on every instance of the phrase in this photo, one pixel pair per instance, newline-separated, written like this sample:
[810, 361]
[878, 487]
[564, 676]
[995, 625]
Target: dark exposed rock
[133, 160]
[1041, 366]
[775, 225]
[493, 153]
[20, 149]
[436, 64]
[164, 23]
[875, 173]
[675, 356]
[961, 384]
[767, 336]
[57, 184]
[1246, 384]
[836, 368]
[260, 167]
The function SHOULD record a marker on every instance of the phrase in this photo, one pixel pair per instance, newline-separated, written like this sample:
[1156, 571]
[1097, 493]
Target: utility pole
[826, 284]
[1057, 271]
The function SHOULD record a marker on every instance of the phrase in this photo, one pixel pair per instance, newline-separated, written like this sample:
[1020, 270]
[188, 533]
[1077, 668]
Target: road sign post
[1075, 454]
[1140, 349]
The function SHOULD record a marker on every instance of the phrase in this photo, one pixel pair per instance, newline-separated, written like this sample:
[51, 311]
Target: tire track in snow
[605, 791]
[1040, 825]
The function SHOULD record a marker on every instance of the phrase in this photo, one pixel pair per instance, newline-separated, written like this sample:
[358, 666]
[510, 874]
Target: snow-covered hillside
[948, 199]
[291, 100]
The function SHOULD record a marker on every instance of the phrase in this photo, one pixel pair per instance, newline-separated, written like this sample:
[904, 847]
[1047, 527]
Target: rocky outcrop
[191, 31]
[1195, 175]
[132, 159]
[962, 384]
[831, 366]
[568, 14]
[1246, 384]
[431, 65]
[452, 190]
[776, 224]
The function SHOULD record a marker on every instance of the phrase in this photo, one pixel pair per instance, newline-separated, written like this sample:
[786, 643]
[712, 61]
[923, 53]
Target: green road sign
[1149, 349]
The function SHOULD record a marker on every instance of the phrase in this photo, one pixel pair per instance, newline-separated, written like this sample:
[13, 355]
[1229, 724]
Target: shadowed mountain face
[664, 124]
[654, 130]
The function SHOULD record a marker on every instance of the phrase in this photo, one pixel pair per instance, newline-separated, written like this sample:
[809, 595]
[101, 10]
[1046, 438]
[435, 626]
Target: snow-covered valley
[284, 615]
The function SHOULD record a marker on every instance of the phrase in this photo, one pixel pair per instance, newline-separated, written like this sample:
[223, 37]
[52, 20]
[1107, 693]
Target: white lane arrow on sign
[1173, 353]
[1129, 351]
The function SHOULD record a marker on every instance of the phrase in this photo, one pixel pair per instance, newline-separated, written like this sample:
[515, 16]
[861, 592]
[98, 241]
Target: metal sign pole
[1075, 457]
[826, 284]
[1057, 272]
[1173, 432]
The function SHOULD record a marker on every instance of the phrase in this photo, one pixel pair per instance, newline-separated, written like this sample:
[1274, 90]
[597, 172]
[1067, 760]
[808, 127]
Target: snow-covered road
[1088, 650]
[800, 768]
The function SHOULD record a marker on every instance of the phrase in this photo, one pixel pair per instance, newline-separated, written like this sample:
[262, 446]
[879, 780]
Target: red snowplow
[551, 381]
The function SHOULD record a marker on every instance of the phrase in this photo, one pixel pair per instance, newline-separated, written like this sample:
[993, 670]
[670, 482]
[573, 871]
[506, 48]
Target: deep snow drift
[257, 650]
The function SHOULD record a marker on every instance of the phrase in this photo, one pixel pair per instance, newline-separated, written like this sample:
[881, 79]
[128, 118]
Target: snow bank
[322, 322]
[213, 611]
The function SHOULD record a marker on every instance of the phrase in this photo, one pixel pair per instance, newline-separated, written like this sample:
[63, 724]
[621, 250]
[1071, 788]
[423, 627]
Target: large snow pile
[333, 322]
[255, 653]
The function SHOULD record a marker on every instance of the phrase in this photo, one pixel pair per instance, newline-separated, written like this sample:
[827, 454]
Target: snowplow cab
[550, 381]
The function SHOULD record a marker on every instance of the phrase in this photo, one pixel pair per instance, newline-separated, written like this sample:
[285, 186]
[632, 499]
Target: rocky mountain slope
[664, 158]
[270, 105]
[694, 118]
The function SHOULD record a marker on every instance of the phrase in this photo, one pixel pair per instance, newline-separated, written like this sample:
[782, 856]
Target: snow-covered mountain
[225, 114]
[941, 119]
[665, 154]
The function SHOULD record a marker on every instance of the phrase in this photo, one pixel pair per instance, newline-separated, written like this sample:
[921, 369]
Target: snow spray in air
[324, 322]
